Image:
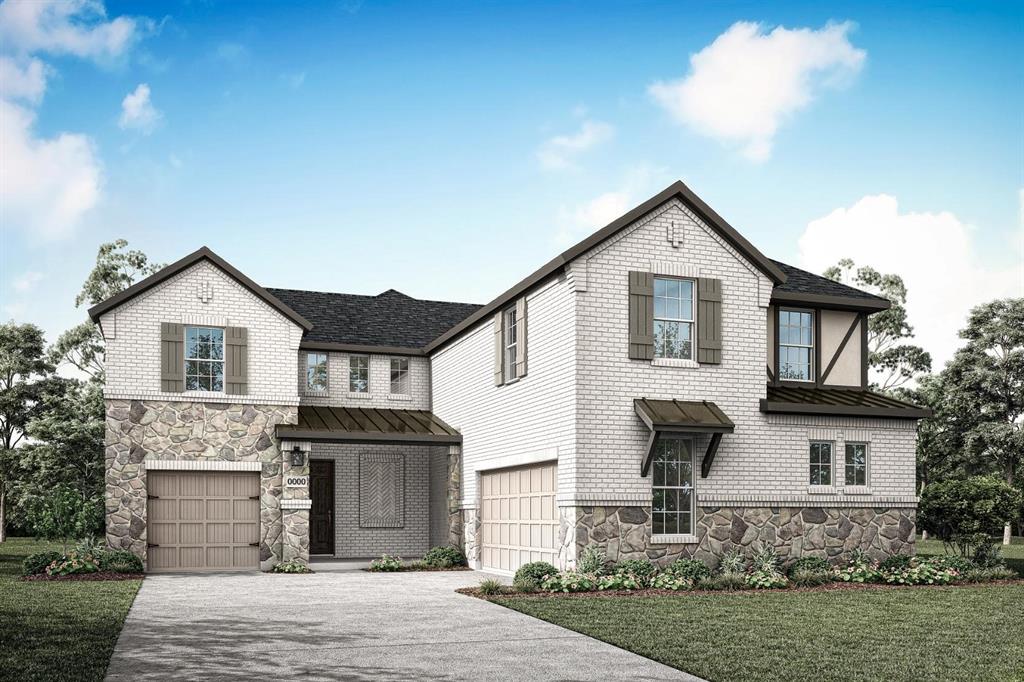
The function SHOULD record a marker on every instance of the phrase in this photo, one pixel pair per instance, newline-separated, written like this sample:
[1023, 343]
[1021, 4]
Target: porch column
[295, 501]
[454, 495]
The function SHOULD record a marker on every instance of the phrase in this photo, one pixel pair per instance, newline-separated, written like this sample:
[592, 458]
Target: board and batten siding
[133, 333]
[835, 324]
[528, 420]
[379, 395]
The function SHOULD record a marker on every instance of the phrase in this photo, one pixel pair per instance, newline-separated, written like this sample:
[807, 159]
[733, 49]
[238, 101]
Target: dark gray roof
[388, 319]
[801, 284]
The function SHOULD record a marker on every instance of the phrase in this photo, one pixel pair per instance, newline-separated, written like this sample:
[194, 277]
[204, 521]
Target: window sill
[359, 395]
[674, 362]
[857, 489]
[678, 539]
[316, 394]
[821, 489]
[399, 396]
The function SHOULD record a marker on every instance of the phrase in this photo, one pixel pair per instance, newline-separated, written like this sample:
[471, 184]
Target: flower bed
[437, 559]
[89, 561]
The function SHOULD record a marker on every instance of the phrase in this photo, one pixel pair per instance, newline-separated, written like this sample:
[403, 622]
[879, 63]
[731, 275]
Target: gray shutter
[172, 357]
[499, 350]
[236, 360]
[709, 321]
[521, 337]
[641, 315]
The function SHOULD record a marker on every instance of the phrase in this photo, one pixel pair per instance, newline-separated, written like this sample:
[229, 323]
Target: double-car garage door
[203, 520]
[518, 516]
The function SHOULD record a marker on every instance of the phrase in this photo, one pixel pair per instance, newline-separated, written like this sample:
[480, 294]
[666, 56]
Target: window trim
[355, 356]
[509, 344]
[406, 376]
[831, 463]
[813, 347]
[327, 372]
[692, 321]
[867, 464]
[186, 359]
[679, 536]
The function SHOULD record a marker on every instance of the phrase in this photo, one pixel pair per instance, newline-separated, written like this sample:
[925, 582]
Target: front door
[321, 514]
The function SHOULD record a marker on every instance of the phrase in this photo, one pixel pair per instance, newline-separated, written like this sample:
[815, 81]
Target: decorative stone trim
[836, 500]
[296, 504]
[662, 267]
[205, 320]
[399, 396]
[857, 490]
[623, 499]
[199, 465]
[203, 397]
[356, 395]
[821, 490]
[685, 538]
[674, 362]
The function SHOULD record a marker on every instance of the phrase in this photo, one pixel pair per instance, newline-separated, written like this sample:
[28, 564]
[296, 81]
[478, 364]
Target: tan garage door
[518, 516]
[203, 520]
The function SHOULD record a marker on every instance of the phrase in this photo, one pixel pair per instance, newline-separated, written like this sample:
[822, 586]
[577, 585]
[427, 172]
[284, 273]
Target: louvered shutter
[641, 315]
[499, 350]
[709, 321]
[521, 337]
[172, 357]
[236, 360]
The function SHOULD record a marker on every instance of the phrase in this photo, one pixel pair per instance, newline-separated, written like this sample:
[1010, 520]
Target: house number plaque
[296, 481]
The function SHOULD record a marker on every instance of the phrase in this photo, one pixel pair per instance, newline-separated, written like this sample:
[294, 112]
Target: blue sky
[447, 150]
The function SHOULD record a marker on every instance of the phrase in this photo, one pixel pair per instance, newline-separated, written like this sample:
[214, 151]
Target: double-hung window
[673, 506]
[204, 359]
[358, 374]
[510, 343]
[821, 462]
[316, 372]
[400, 376]
[856, 464]
[673, 318]
[796, 345]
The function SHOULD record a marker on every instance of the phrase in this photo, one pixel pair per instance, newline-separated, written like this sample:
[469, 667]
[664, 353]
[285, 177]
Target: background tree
[63, 515]
[894, 361]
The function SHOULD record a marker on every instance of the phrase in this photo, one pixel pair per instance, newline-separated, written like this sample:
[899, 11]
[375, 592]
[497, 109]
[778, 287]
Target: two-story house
[660, 389]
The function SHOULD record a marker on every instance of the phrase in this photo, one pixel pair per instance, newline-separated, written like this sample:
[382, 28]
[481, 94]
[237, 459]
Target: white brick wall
[132, 333]
[379, 395]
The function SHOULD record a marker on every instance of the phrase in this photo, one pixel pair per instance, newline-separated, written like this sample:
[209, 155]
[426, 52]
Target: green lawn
[1012, 553]
[917, 633]
[57, 630]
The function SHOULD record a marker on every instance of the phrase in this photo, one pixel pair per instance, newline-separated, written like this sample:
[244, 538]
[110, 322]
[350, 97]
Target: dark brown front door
[321, 514]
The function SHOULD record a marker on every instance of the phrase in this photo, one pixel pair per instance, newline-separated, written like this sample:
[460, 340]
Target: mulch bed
[86, 577]
[417, 569]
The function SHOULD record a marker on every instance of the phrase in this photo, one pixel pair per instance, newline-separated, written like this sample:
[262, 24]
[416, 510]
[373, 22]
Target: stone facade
[140, 431]
[826, 532]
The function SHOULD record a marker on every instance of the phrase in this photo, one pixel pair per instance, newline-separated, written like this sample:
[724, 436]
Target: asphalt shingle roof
[387, 319]
[803, 282]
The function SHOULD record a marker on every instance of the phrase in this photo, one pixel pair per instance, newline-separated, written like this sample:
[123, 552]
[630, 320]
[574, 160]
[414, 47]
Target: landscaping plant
[119, 561]
[491, 586]
[809, 577]
[673, 581]
[570, 581]
[965, 514]
[692, 569]
[73, 564]
[386, 563]
[809, 563]
[766, 570]
[531, 576]
[291, 566]
[641, 569]
[444, 557]
[37, 563]
[859, 569]
[593, 560]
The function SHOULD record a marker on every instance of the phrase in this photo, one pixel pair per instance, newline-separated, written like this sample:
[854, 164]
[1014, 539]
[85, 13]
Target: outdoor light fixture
[298, 457]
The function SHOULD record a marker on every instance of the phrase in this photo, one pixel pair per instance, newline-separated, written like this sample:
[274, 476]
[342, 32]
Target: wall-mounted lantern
[298, 457]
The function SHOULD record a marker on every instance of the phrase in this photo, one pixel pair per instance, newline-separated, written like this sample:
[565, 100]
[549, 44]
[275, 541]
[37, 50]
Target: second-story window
[673, 318]
[796, 345]
[400, 375]
[511, 344]
[204, 359]
[358, 374]
[316, 371]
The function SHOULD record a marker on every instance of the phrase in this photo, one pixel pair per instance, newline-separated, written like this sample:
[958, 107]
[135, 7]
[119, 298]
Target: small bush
[733, 562]
[620, 581]
[766, 559]
[673, 581]
[919, 572]
[592, 560]
[531, 576]
[956, 562]
[809, 563]
[896, 562]
[988, 555]
[765, 579]
[34, 564]
[967, 513]
[730, 580]
[692, 569]
[570, 581]
[90, 545]
[73, 564]
[807, 577]
[642, 569]
[985, 575]
[119, 561]
[386, 564]
[293, 566]
[491, 586]
[444, 557]
[859, 569]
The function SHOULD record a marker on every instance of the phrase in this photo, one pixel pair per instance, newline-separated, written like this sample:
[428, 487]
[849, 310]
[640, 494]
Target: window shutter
[499, 349]
[236, 360]
[641, 315]
[521, 337]
[172, 357]
[709, 321]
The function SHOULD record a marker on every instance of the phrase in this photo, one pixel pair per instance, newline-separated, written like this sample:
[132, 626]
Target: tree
[116, 269]
[24, 375]
[62, 514]
[966, 513]
[894, 361]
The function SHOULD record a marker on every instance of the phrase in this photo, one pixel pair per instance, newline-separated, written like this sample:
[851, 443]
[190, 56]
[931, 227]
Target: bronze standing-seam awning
[682, 416]
[369, 425]
[838, 402]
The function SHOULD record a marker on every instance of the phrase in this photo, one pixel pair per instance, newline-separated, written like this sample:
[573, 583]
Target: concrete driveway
[351, 626]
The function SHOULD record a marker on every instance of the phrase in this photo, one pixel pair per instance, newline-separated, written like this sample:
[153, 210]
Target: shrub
[766, 559]
[967, 513]
[444, 557]
[592, 560]
[90, 545]
[531, 576]
[730, 580]
[987, 554]
[386, 563]
[491, 586]
[667, 580]
[859, 569]
[919, 572]
[984, 575]
[896, 562]
[809, 564]
[765, 579]
[733, 562]
[809, 577]
[34, 564]
[642, 569]
[292, 566]
[73, 564]
[62, 514]
[570, 581]
[956, 562]
[119, 561]
[692, 569]
[620, 581]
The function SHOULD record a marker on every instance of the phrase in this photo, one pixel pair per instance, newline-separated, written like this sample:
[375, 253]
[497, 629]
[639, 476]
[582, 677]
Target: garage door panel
[191, 510]
[519, 516]
[190, 485]
[245, 533]
[165, 485]
[243, 510]
[162, 533]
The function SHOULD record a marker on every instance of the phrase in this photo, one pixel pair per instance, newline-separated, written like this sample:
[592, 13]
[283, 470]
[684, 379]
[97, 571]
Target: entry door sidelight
[321, 514]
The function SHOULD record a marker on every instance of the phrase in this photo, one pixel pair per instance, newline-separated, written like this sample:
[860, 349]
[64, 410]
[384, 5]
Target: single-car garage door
[518, 516]
[203, 520]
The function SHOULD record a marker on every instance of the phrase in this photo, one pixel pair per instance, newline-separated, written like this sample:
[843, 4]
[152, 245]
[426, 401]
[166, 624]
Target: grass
[1012, 553]
[57, 630]
[916, 633]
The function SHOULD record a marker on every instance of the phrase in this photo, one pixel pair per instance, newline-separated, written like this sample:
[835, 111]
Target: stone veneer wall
[829, 532]
[138, 431]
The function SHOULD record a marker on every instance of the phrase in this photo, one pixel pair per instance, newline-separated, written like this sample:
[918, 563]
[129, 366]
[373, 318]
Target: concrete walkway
[351, 625]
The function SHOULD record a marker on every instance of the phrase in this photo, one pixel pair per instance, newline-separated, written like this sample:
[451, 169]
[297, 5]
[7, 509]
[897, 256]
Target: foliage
[692, 569]
[444, 557]
[621, 581]
[642, 569]
[531, 576]
[960, 564]
[894, 360]
[810, 577]
[119, 561]
[63, 514]
[987, 554]
[592, 560]
[990, 574]
[896, 562]
[491, 586]
[809, 563]
[764, 579]
[668, 580]
[964, 513]
[73, 563]
[859, 569]
[726, 580]
[386, 563]
[90, 544]
[918, 572]
[35, 564]
[570, 581]
[291, 566]
[733, 562]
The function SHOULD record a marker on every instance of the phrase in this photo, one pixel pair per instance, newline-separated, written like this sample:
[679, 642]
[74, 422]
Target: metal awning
[838, 402]
[369, 425]
[682, 416]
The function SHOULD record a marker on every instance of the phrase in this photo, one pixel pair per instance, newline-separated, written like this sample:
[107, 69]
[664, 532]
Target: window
[796, 345]
[673, 318]
[400, 375]
[358, 374]
[316, 371]
[510, 343]
[673, 487]
[821, 463]
[204, 359]
[856, 464]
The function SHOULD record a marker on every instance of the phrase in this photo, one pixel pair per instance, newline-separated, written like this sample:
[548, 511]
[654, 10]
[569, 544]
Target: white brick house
[660, 389]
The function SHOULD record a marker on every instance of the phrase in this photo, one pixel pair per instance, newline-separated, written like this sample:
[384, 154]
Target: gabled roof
[188, 261]
[802, 287]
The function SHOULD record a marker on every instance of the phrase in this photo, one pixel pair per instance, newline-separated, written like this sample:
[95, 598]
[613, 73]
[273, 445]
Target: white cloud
[46, 185]
[575, 222]
[559, 151]
[746, 83]
[22, 79]
[27, 281]
[75, 27]
[934, 253]
[138, 112]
